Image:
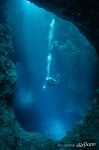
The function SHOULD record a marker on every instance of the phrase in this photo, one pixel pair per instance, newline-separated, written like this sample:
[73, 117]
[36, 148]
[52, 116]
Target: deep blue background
[56, 109]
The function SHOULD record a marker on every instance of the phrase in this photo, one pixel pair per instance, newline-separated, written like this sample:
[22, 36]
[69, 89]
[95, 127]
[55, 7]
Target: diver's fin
[59, 77]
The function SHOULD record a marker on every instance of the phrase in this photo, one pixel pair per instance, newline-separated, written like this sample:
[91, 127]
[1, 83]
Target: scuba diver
[50, 81]
[53, 81]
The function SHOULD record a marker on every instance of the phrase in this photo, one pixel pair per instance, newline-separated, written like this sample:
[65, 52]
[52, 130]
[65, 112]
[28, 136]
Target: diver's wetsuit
[51, 81]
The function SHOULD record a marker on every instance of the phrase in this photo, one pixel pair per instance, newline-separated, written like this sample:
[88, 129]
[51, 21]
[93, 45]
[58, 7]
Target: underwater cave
[56, 70]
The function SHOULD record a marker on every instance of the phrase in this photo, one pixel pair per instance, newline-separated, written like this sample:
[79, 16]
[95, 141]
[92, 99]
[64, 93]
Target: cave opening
[56, 71]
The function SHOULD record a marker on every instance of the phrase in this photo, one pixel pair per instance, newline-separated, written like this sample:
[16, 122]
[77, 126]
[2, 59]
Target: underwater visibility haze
[55, 77]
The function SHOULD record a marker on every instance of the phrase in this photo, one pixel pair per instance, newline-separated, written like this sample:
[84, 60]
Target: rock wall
[84, 14]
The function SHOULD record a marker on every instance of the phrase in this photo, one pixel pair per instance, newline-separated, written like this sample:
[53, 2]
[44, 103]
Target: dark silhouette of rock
[84, 14]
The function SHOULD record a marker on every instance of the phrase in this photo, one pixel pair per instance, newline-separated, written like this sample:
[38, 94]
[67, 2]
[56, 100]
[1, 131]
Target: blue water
[50, 110]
